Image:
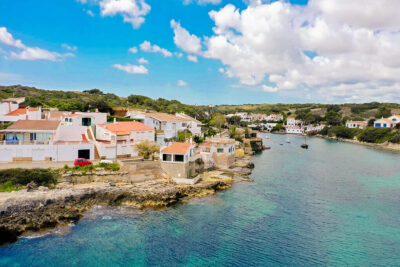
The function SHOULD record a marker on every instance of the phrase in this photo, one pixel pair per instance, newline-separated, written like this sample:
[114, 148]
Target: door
[84, 153]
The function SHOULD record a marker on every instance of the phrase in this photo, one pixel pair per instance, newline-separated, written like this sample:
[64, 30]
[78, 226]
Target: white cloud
[28, 53]
[142, 61]
[355, 47]
[90, 13]
[7, 39]
[70, 48]
[132, 11]
[146, 46]
[184, 40]
[192, 58]
[178, 54]
[133, 50]
[132, 69]
[202, 2]
[181, 83]
[269, 89]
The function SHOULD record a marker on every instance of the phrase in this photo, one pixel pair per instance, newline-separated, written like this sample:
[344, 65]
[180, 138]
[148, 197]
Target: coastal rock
[25, 210]
[32, 186]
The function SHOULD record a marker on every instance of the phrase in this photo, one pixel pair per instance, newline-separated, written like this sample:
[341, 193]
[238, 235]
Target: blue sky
[101, 41]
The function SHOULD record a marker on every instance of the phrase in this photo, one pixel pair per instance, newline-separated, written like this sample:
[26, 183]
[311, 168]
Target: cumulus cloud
[70, 48]
[24, 52]
[90, 13]
[133, 50]
[341, 49]
[132, 11]
[192, 58]
[181, 83]
[142, 61]
[202, 2]
[184, 40]
[146, 46]
[132, 69]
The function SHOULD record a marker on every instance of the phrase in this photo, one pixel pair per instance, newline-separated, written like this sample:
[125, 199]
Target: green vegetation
[218, 120]
[5, 125]
[183, 136]
[14, 179]
[376, 135]
[147, 149]
[89, 168]
[235, 133]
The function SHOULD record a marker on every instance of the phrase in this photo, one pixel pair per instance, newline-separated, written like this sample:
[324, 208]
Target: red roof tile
[177, 148]
[126, 126]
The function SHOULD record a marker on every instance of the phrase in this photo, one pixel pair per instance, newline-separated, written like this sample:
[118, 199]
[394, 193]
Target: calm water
[335, 204]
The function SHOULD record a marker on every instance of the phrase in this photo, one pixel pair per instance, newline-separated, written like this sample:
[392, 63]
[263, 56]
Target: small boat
[304, 145]
[288, 140]
[281, 144]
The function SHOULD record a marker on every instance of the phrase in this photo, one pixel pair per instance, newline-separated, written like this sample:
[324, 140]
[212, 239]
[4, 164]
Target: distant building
[292, 121]
[294, 130]
[274, 117]
[11, 111]
[356, 124]
[395, 118]
[384, 123]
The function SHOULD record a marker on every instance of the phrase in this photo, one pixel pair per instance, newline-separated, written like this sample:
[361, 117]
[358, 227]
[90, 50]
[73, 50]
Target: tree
[147, 149]
[234, 120]
[218, 120]
[235, 134]
[383, 112]
[333, 118]
[94, 92]
[183, 135]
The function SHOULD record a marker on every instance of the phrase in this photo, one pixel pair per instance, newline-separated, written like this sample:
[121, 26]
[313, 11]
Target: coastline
[44, 209]
[384, 146]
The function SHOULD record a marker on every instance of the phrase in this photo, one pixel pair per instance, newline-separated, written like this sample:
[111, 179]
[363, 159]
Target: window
[178, 158]
[32, 136]
[220, 150]
[167, 157]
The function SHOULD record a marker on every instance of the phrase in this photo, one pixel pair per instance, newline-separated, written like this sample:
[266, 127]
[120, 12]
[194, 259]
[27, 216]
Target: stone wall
[223, 160]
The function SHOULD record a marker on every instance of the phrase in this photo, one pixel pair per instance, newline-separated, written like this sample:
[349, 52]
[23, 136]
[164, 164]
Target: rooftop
[34, 125]
[126, 126]
[177, 148]
[17, 112]
[165, 117]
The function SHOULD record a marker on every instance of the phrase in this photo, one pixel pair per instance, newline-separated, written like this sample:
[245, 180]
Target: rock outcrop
[23, 211]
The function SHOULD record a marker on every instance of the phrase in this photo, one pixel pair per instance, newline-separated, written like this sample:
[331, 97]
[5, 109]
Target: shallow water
[336, 204]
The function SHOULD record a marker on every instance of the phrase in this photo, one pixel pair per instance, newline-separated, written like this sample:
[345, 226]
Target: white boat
[288, 140]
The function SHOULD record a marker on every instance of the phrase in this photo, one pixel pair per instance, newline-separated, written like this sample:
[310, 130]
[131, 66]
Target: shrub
[395, 138]
[19, 176]
[109, 166]
[375, 135]
[344, 132]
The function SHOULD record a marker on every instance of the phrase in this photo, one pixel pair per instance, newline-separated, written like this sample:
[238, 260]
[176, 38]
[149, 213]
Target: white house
[311, 128]
[43, 140]
[218, 152]
[294, 130]
[384, 123]
[119, 138]
[9, 105]
[395, 118]
[92, 118]
[274, 117]
[175, 160]
[291, 121]
[356, 124]
[167, 125]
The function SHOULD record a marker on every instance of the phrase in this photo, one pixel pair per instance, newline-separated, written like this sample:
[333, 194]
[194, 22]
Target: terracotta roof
[72, 115]
[189, 118]
[356, 122]
[34, 125]
[33, 109]
[222, 140]
[177, 148]
[385, 120]
[126, 126]
[165, 117]
[14, 99]
[17, 112]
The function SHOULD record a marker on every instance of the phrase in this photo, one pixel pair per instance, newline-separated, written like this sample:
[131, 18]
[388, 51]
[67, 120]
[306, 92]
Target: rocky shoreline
[23, 211]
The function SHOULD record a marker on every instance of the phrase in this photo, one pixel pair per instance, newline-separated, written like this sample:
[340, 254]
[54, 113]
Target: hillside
[105, 102]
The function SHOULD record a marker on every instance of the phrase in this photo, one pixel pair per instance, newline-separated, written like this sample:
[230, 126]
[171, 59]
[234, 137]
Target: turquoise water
[336, 204]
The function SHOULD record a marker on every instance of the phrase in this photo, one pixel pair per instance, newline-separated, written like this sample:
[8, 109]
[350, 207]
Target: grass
[9, 187]
[89, 168]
